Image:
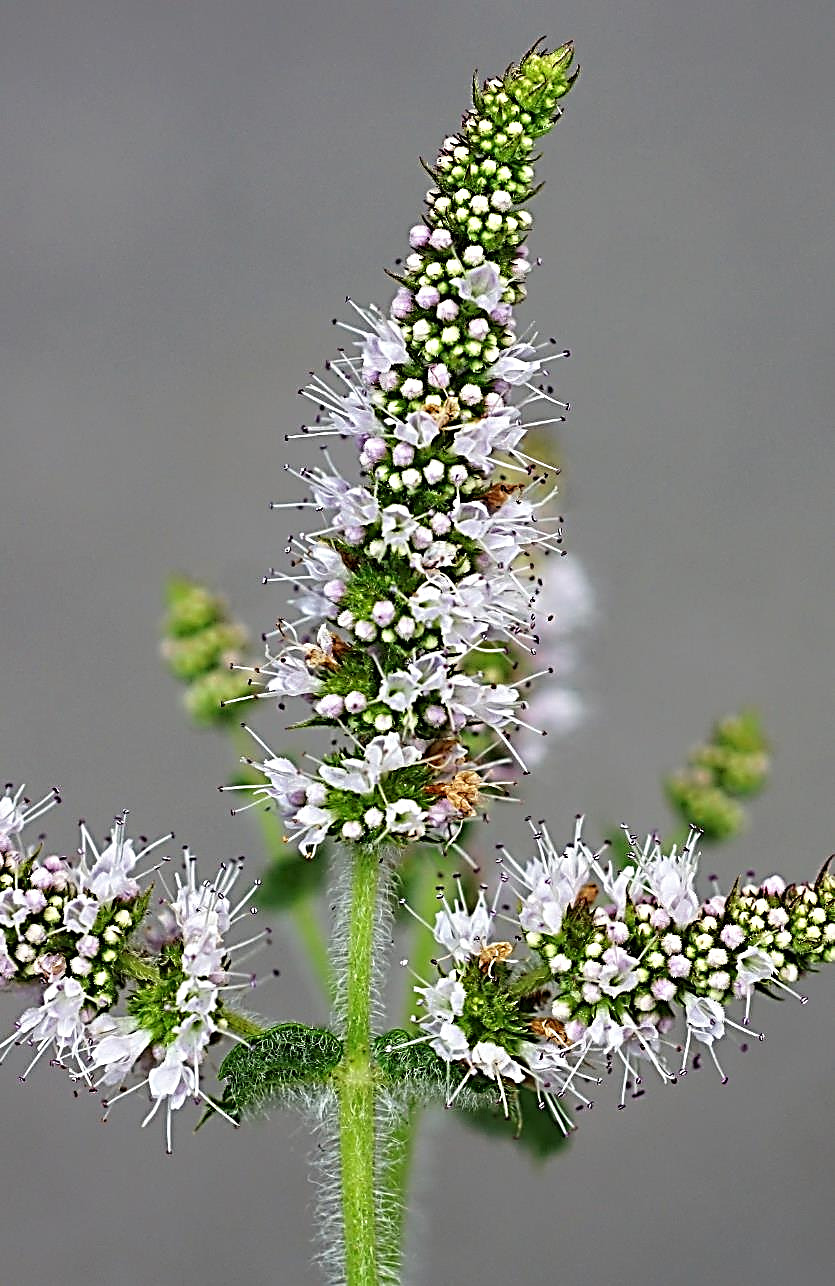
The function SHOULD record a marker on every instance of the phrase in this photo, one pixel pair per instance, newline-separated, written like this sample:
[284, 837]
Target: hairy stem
[402, 1140]
[356, 1088]
[400, 1148]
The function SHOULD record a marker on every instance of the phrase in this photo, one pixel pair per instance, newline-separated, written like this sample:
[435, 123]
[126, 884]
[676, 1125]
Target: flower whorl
[583, 983]
[414, 583]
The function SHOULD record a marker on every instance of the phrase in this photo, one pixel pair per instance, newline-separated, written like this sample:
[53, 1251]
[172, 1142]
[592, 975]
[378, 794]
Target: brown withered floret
[461, 791]
[495, 496]
[349, 558]
[586, 896]
[439, 751]
[444, 415]
[550, 1029]
[489, 955]
[315, 658]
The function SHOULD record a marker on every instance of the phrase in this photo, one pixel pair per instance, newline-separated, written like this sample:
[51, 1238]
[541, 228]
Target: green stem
[356, 1089]
[402, 1141]
[401, 1144]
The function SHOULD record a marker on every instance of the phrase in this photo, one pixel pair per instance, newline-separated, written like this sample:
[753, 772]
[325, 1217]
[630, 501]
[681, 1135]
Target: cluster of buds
[77, 929]
[733, 764]
[203, 648]
[420, 580]
[551, 989]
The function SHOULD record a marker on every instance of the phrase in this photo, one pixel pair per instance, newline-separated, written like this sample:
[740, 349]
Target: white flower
[16, 813]
[17, 905]
[382, 755]
[109, 877]
[173, 1079]
[517, 365]
[308, 827]
[444, 1000]
[292, 678]
[81, 913]
[419, 429]
[482, 286]
[382, 349]
[397, 527]
[405, 817]
[287, 785]
[705, 1018]
[461, 932]
[554, 880]
[494, 1061]
[450, 1043]
[354, 507]
[400, 689]
[753, 966]
[354, 415]
[58, 1022]
[117, 1044]
[478, 440]
[617, 973]
[11, 818]
[605, 1033]
[493, 704]
[670, 878]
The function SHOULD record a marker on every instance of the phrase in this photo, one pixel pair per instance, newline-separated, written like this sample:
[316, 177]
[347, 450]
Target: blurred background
[189, 190]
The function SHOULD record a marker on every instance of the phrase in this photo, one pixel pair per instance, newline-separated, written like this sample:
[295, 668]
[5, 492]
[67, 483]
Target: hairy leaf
[289, 1056]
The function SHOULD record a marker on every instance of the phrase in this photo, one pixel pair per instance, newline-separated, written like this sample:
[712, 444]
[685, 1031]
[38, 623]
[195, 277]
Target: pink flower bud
[402, 304]
[427, 297]
[383, 612]
[441, 239]
[447, 310]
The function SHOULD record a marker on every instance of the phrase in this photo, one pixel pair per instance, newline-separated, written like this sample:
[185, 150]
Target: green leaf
[528, 1126]
[289, 1056]
[418, 1072]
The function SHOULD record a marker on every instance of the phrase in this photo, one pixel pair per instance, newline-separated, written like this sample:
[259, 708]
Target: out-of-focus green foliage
[200, 642]
[734, 763]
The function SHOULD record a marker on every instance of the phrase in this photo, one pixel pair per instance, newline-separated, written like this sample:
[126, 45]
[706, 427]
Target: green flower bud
[200, 644]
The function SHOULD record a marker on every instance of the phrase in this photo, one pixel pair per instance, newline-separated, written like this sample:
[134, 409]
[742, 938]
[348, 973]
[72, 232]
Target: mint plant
[422, 604]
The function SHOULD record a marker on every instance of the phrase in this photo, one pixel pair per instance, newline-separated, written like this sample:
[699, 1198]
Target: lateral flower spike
[585, 970]
[206, 650]
[77, 929]
[733, 764]
[418, 575]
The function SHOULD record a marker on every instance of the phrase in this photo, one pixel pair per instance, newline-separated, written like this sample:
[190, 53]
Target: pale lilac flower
[482, 285]
[495, 1062]
[670, 877]
[461, 932]
[517, 365]
[382, 349]
[418, 429]
[57, 1024]
[381, 755]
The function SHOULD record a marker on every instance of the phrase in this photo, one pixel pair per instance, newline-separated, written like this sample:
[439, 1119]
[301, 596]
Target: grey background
[188, 193]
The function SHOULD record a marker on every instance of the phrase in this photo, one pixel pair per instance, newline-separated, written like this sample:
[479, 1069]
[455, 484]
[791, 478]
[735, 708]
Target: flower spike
[416, 572]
